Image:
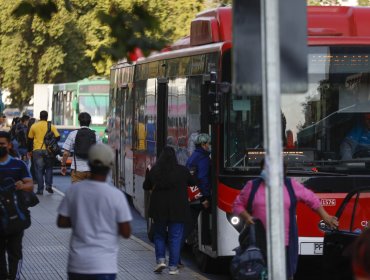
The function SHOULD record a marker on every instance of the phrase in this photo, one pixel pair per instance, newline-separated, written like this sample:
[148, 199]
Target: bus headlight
[235, 221]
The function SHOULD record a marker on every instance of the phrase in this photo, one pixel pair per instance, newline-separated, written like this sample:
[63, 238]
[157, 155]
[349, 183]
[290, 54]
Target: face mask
[3, 151]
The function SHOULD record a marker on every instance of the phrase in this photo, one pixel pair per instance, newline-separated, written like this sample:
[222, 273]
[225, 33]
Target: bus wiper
[316, 172]
[96, 104]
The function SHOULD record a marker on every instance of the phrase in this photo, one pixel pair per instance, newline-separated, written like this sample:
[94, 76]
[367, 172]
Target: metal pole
[273, 139]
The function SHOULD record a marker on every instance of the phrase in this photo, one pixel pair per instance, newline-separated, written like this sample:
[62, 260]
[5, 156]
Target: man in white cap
[97, 213]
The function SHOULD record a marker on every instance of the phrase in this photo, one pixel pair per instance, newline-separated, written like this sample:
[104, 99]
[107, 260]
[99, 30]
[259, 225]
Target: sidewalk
[45, 250]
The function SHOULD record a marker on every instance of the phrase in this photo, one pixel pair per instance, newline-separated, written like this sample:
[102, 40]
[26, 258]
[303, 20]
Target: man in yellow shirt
[42, 160]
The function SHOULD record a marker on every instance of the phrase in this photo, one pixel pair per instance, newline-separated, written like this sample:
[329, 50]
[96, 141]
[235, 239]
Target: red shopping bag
[194, 193]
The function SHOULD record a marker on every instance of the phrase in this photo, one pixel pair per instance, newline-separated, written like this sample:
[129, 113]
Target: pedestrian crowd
[98, 213]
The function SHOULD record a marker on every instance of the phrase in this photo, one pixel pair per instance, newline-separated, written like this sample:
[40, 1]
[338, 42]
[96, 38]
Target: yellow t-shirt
[37, 133]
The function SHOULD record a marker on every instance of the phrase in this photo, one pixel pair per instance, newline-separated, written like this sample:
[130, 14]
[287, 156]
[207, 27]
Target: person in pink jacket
[301, 193]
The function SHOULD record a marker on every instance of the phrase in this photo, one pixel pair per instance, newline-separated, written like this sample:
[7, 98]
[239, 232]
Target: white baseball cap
[101, 155]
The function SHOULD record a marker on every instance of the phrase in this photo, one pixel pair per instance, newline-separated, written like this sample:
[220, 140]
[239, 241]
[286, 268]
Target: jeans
[11, 245]
[43, 167]
[77, 276]
[174, 233]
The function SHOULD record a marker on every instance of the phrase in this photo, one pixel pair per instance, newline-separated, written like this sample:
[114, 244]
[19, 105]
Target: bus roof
[94, 80]
[65, 87]
[211, 31]
[326, 25]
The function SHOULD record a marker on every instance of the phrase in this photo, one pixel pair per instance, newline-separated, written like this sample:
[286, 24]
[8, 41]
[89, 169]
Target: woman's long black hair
[164, 166]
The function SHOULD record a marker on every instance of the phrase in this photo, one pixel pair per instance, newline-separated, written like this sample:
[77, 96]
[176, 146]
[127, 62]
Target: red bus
[165, 98]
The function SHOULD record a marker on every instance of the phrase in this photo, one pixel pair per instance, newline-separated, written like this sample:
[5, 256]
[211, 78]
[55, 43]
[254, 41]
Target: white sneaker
[159, 267]
[173, 271]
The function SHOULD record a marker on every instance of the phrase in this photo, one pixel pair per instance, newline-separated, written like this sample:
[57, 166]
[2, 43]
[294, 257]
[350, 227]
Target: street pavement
[45, 246]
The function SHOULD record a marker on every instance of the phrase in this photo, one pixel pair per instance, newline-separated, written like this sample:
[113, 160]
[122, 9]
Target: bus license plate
[318, 248]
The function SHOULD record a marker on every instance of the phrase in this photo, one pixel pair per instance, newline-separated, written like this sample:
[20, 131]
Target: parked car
[64, 132]
[10, 114]
[28, 110]
[353, 216]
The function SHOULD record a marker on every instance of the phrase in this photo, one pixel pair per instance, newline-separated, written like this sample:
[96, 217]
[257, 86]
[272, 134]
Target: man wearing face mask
[200, 161]
[11, 244]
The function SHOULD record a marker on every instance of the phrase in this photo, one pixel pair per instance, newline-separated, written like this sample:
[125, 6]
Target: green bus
[87, 95]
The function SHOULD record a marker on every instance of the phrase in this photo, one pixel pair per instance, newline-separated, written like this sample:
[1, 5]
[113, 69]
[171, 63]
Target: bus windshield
[96, 106]
[326, 129]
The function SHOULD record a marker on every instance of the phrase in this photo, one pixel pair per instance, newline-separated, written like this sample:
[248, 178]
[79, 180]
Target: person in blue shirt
[11, 244]
[200, 161]
[357, 142]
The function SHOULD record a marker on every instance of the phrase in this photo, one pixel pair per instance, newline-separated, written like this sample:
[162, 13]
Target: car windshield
[326, 129]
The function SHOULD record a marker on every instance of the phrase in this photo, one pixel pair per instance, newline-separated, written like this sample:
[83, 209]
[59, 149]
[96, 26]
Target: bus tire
[203, 261]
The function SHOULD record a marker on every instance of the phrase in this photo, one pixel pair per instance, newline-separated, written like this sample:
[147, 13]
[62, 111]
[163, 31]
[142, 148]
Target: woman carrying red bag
[169, 207]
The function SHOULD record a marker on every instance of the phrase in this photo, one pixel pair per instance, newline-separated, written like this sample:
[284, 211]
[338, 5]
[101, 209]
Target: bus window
[96, 106]
[140, 133]
[150, 117]
[316, 123]
[193, 103]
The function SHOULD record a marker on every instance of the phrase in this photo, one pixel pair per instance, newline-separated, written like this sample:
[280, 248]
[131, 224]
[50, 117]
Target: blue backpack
[14, 217]
[249, 263]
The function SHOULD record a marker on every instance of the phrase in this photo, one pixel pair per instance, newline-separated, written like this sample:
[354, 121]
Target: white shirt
[69, 145]
[95, 209]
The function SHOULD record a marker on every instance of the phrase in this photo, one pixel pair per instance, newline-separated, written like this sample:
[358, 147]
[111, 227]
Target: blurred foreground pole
[273, 138]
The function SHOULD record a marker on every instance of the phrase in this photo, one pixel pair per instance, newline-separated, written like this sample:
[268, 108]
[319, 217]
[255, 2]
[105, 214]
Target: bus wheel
[150, 229]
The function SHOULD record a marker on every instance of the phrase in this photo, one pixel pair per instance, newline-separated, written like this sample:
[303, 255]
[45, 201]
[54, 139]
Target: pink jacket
[259, 203]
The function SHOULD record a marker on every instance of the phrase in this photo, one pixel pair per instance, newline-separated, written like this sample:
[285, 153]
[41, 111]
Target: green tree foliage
[53, 41]
[128, 30]
[37, 48]
[364, 2]
[322, 2]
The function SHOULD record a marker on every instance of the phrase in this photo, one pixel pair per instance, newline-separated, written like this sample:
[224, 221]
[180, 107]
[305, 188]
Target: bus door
[126, 158]
[121, 96]
[208, 221]
[139, 145]
[162, 114]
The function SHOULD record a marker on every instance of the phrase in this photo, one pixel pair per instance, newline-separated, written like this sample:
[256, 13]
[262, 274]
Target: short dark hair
[5, 134]
[99, 170]
[25, 118]
[43, 115]
[84, 118]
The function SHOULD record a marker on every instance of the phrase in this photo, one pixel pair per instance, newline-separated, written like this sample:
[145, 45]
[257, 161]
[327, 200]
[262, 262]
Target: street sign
[247, 47]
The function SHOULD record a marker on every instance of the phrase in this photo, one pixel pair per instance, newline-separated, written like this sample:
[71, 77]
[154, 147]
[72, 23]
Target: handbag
[29, 199]
[194, 194]
[249, 262]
